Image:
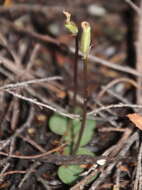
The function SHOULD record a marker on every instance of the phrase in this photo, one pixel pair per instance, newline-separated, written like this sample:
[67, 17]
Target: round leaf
[84, 151]
[81, 151]
[74, 132]
[68, 174]
[58, 124]
[86, 137]
[91, 124]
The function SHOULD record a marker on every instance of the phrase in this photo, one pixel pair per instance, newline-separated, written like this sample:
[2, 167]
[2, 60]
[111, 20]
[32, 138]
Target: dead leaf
[136, 119]
[8, 3]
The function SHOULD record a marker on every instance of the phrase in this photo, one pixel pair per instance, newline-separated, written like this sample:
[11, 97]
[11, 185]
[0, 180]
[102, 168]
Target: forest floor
[37, 89]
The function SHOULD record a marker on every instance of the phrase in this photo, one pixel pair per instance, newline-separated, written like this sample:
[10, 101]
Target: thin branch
[18, 131]
[44, 183]
[26, 83]
[133, 6]
[48, 39]
[118, 96]
[34, 35]
[114, 82]
[28, 173]
[104, 108]
[139, 55]
[111, 65]
[108, 170]
[84, 181]
[10, 65]
[34, 156]
[13, 172]
[33, 143]
[25, 8]
[103, 175]
[33, 56]
[114, 66]
[10, 50]
[34, 101]
[6, 166]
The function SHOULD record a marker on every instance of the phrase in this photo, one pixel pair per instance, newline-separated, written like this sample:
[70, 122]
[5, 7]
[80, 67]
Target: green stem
[84, 115]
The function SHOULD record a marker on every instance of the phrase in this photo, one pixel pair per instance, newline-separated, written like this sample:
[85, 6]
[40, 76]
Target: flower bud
[85, 39]
[70, 25]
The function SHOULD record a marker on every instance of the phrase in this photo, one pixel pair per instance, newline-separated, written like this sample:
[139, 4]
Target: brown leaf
[136, 119]
[8, 3]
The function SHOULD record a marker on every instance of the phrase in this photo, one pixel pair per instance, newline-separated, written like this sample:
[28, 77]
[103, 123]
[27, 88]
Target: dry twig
[134, 6]
[104, 108]
[114, 82]
[40, 104]
[139, 56]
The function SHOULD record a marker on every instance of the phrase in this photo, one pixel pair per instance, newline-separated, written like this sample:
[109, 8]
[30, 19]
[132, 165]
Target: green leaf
[84, 151]
[68, 174]
[88, 132]
[78, 110]
[58, 124]
[87, 135]
[90, 124]
[86, 138]
[81, 151]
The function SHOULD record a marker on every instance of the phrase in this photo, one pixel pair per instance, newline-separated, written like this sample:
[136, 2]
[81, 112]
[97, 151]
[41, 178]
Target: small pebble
[31, 131]
[96, 10]
[41, 118]
[54, 28]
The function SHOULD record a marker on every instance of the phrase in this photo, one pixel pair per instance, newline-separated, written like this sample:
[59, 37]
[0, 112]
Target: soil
[36, 77]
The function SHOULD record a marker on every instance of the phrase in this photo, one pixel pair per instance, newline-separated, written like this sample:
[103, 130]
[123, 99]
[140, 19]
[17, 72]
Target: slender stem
[75, 84]
[84, 115]
[75, 70]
